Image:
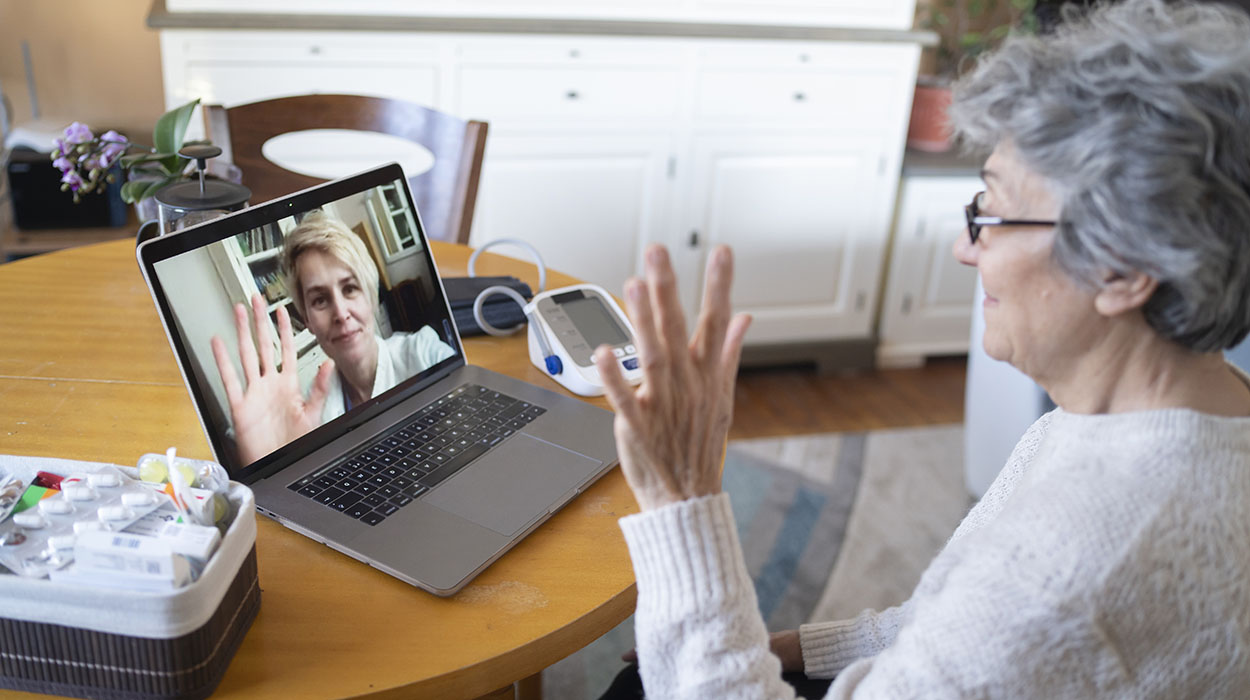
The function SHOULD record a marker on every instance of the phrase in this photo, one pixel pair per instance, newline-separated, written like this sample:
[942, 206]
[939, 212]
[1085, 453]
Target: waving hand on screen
[271, 410]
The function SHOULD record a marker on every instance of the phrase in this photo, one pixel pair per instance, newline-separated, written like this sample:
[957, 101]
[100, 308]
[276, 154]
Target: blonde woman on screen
[334, 286]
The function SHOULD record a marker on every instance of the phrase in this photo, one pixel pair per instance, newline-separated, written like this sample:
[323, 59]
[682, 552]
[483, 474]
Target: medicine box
[108, 643]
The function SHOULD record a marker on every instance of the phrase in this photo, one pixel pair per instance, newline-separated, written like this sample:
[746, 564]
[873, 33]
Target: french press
[188, 203]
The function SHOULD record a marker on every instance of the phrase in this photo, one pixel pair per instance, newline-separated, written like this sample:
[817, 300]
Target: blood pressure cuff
[500, 311]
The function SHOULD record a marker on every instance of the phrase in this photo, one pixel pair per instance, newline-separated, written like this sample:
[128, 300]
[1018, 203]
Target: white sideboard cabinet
[788, 149]
[927, 308]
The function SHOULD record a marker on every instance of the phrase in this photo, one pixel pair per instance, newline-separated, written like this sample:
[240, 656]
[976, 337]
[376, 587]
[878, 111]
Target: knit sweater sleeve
[829, 647]
[697, 625]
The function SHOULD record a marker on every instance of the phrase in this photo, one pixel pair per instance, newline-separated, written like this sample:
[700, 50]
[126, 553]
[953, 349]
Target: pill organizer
[82, 641]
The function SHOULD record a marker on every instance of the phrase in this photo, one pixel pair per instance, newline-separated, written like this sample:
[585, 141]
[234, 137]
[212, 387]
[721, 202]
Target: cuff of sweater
[829, 647]
[686, 556]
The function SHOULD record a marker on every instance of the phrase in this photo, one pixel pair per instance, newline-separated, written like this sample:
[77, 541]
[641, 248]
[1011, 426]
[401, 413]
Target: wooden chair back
[445, 194]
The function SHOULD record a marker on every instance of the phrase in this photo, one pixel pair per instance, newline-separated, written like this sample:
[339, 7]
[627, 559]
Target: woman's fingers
[709, 334]
[287, 340]
[320, 388]
[731, 351]
[650, 351]
[670, 320]
[264, 339]
[229, 380]
[247, 351]
[620, 394]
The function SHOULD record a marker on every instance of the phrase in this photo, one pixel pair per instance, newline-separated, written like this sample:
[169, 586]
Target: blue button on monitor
[630, 363]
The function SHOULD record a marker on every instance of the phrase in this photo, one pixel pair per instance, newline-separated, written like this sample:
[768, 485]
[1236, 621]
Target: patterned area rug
[829, 524]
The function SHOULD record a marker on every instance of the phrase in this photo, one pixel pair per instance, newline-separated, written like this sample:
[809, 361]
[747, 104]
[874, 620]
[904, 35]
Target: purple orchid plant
[88, 163]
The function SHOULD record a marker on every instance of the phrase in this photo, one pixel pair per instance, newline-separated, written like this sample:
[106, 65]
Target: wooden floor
[796, 401]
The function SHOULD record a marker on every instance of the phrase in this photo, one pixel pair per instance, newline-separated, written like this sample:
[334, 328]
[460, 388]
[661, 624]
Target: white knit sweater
[1110, 558]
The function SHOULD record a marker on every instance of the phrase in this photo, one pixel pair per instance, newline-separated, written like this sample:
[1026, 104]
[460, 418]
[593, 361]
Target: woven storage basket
[110, 643]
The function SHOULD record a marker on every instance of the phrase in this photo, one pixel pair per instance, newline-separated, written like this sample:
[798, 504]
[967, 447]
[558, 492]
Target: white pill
[138, 498]
[61, 542]
[79, 492]
[55, 506]
[30, 520]
[104, 479]
[86, 526]
[114, 513]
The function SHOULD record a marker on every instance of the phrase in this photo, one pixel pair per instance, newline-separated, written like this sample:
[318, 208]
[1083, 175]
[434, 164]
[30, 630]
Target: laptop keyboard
[436, 442]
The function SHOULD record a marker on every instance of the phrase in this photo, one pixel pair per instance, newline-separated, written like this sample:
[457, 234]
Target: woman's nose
[340, 309]
[964, 250]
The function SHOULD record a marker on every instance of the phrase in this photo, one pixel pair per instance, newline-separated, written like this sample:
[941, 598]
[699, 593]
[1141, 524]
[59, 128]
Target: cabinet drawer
[804, 55]
[237, 83]
[833, 99]
[336, 47]
[503, 93]
[571, 52]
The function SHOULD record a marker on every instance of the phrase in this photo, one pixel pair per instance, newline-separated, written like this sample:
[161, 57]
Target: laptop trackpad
[509, 487]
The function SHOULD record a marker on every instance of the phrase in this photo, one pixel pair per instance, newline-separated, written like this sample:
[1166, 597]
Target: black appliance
[39, 203]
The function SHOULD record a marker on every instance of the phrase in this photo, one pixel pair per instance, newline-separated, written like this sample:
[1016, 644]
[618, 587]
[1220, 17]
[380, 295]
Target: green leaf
[971, 39]
[976, 8]
[170, 130]
[1022, 5]
[136, 190]
[999, 32]
[131, 190]
[137, 158]
[155, 187]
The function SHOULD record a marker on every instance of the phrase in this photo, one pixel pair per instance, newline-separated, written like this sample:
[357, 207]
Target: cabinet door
[587, 202]
[807, 216]
[928, 302]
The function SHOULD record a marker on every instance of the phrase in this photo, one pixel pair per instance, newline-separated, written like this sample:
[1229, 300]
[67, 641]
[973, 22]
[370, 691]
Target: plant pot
[929, 129]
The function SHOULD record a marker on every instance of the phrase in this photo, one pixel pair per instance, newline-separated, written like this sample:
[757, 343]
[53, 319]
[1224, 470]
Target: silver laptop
[438, 472]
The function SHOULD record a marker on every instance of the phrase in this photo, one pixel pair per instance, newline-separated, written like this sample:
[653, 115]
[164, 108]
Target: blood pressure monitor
[565, 327]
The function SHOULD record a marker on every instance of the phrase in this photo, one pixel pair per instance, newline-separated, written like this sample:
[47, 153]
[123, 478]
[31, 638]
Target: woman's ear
[1123, 292]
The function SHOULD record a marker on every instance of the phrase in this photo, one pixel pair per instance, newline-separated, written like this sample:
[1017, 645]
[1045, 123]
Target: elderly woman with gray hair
[1111, 557]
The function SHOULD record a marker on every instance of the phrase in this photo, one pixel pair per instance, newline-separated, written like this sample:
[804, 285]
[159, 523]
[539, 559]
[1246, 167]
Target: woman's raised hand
[271, 411]
[671, 431]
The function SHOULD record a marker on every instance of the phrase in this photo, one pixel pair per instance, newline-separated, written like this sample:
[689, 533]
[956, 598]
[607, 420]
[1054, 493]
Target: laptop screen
[296, 319]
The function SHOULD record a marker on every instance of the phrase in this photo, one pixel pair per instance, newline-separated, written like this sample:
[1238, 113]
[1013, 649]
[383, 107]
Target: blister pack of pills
[41, 538]
[200, 486]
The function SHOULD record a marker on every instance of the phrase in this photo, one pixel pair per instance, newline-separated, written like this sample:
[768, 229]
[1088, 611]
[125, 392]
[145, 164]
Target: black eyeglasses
[976, 221]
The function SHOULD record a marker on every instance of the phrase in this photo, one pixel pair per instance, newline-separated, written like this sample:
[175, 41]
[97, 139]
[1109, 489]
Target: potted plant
[966, 29]
[88, 162]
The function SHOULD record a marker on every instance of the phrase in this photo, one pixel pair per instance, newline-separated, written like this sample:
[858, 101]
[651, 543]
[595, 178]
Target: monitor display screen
[306, 318]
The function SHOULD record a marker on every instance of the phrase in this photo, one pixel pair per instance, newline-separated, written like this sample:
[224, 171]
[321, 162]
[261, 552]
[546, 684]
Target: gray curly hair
[1139, 116]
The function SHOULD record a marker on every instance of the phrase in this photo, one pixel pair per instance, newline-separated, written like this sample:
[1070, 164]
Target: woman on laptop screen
[333, 283]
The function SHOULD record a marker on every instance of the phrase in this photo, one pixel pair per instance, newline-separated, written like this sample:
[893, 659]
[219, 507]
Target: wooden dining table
[87, 373]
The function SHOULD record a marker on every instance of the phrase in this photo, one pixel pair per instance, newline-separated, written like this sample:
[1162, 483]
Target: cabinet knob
[906, 304]
[800, 96]
[574, 53]
[572, 94]
[860, 299]
[694, 239]
[804, 58]
[314, 50]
